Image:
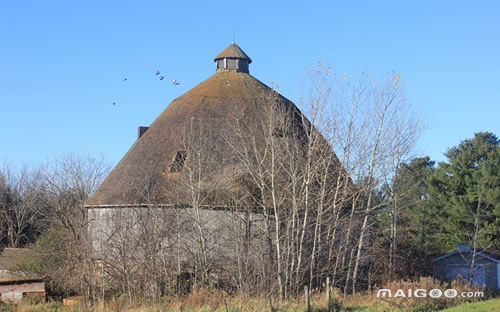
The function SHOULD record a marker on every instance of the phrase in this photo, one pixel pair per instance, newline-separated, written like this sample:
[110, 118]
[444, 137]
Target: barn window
[279, 132]
[243, 66]
[282, 130]
[231, 63]
[178, 162]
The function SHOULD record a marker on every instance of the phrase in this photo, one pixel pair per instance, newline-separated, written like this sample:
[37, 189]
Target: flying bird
[175, 82]
[114, 103]
[124, 79]
[157, 72]
[161, 77]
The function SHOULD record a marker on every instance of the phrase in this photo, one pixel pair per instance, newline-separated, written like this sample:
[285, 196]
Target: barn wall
[24, 287]
[225, 230]
[15, 292]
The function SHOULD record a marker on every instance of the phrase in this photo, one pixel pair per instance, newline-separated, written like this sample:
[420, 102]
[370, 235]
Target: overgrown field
[254, 305]
[215, 300]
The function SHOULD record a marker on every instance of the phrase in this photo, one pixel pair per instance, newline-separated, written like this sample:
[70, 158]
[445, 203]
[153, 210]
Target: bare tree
[20, 199]
[279, 200]
[66, 184]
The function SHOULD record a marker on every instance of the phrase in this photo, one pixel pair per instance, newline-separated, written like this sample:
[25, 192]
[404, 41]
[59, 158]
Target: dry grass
[214, 300]
[369, 298]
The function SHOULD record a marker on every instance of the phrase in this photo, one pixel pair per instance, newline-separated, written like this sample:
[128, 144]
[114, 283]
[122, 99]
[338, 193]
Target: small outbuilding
[15, 288]
[481, 268]
[14, 284]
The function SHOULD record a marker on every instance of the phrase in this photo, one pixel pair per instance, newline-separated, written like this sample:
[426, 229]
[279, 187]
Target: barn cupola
[232, 59]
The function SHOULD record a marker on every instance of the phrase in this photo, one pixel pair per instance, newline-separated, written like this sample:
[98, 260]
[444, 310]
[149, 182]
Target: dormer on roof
[233, 59]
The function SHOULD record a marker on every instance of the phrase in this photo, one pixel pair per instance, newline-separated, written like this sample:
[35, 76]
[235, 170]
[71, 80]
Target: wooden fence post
[307, 298]
[328, 294]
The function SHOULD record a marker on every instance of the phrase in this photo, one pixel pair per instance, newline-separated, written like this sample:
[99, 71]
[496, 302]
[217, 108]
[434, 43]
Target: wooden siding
[225, 229]
[14, 292]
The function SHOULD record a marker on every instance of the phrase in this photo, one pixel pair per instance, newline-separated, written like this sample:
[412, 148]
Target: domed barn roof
[216, 101]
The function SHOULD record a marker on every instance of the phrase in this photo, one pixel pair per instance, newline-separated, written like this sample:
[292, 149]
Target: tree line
[431, 208]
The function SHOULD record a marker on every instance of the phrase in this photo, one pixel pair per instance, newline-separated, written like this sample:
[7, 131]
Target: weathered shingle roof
[13, 279]
[218, 102]
[233, 51]
[215, 102]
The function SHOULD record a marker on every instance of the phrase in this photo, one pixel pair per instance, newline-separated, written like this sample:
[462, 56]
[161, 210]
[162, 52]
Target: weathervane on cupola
[232, 59]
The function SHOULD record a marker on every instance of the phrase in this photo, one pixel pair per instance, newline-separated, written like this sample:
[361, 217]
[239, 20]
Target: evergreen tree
[466, 189]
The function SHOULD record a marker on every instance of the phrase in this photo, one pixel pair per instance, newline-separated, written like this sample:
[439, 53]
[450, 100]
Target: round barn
[202, 189]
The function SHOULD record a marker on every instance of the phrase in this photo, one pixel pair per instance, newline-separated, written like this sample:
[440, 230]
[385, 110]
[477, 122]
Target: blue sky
[62, 63]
